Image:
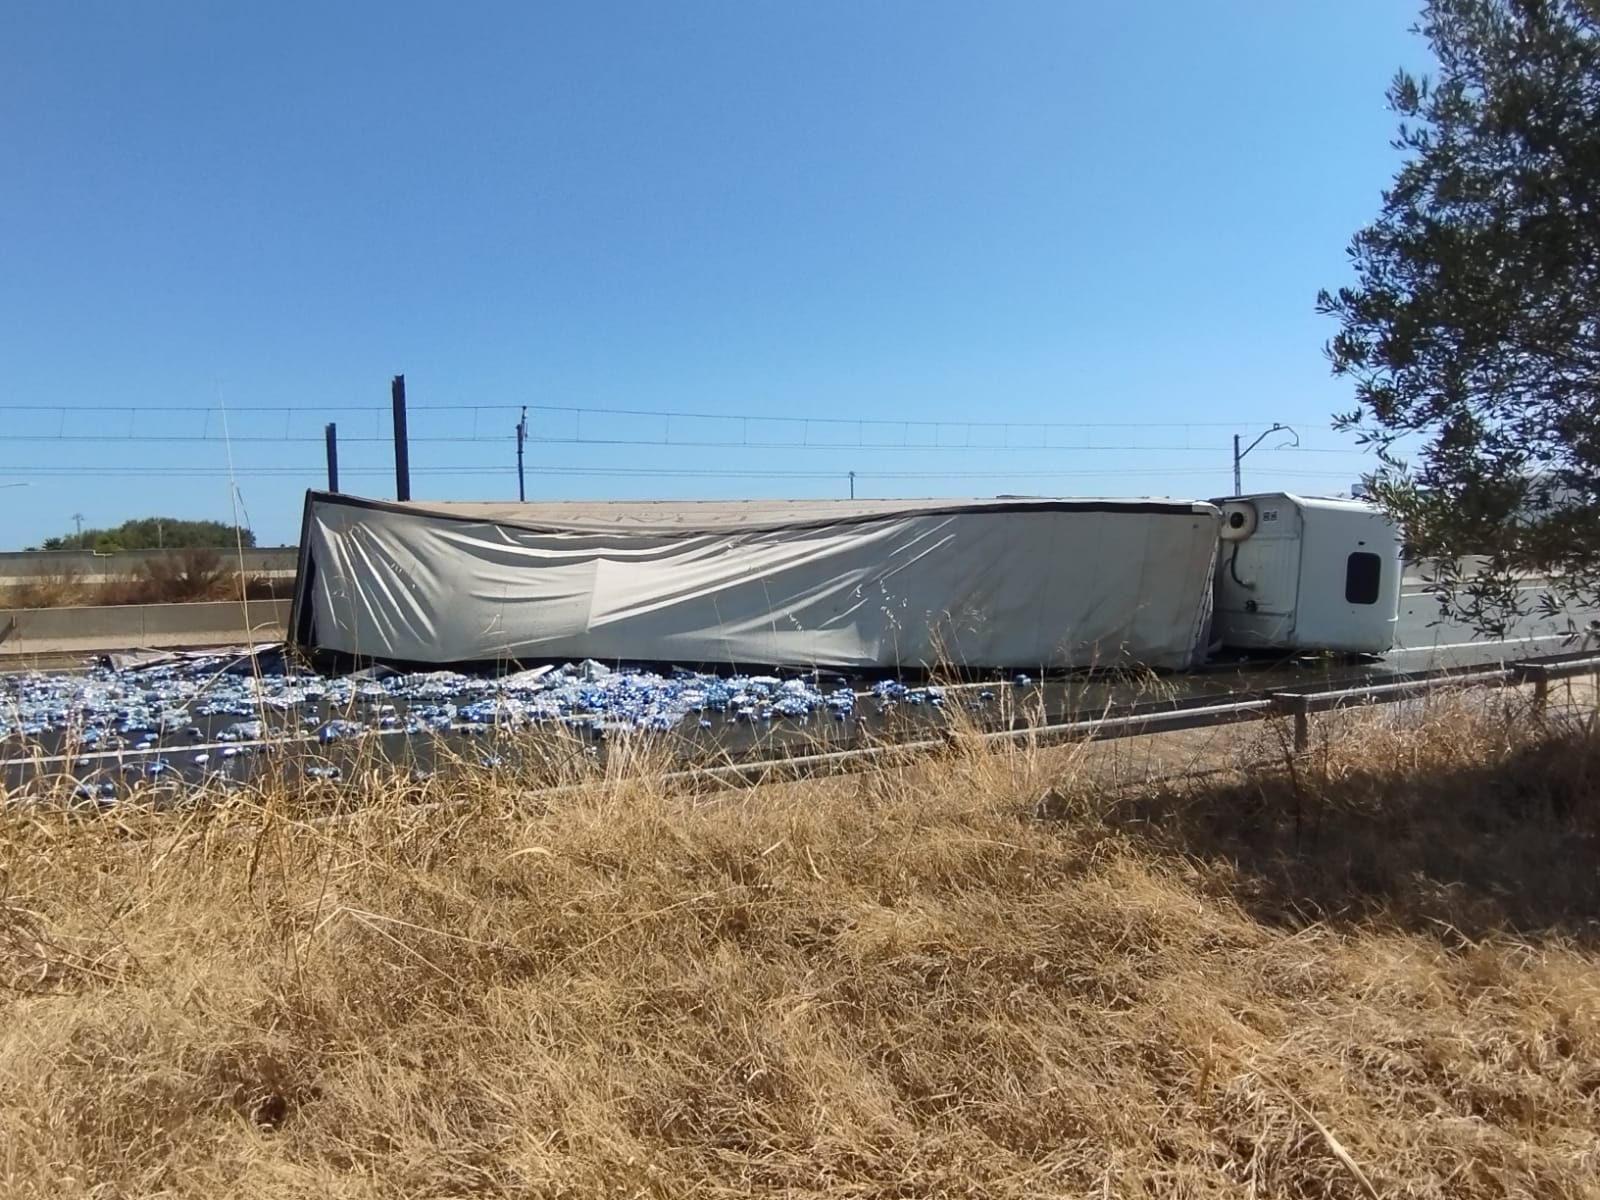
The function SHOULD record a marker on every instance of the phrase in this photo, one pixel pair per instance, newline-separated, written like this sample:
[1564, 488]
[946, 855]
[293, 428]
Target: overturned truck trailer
[871, 584]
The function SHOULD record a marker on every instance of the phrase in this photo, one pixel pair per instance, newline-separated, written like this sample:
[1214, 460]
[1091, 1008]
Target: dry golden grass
[55, 590]
[988, 975]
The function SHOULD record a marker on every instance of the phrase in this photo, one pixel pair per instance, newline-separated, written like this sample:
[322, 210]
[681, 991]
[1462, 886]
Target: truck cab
[1299, 573]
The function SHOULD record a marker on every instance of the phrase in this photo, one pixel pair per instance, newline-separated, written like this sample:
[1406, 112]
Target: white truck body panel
[1308, 574]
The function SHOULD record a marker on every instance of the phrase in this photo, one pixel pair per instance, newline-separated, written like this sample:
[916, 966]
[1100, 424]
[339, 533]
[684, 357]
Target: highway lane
[1424, 642]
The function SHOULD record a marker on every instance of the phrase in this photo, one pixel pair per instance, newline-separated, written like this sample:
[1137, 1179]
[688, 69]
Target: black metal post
[402, 446]
[1298, 706]
[522, 436]
[331, 433]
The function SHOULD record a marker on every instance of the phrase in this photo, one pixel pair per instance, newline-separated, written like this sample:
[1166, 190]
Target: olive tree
[1472, 331]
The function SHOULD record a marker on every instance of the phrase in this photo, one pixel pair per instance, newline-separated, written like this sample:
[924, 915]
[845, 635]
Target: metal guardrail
[1189, 715]
[1300, 705]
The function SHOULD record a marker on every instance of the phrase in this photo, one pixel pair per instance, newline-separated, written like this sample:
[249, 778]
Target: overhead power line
[510, 439]
[602, 410]
[1083, 450]
[314, 472]
[618, 428]
[583, 411]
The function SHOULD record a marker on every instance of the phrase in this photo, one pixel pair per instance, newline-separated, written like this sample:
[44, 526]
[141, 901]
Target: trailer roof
[689, 515]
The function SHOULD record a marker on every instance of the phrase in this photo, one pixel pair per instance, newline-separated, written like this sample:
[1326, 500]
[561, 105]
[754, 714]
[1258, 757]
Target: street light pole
[1238, 454]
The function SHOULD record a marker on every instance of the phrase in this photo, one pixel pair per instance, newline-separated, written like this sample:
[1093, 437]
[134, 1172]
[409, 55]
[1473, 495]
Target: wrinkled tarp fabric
[980, 586]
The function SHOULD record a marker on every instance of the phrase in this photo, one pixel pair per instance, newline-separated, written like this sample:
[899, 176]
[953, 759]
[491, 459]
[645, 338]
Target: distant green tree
[1472, 333]
[152, 533]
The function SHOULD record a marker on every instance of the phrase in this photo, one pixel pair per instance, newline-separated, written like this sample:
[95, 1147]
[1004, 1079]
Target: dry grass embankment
[991, 975]
[187, 577]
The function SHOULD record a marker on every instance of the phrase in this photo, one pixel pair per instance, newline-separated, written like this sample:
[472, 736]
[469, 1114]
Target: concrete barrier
[92, 567]
[136, 626]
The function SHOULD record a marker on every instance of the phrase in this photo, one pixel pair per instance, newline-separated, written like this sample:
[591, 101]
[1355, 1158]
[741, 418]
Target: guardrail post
[1540, 678]
[1300, 708]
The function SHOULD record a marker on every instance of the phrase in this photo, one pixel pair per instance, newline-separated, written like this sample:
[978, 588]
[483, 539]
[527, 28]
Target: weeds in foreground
[994, 973]
[184, 577]
[55, 590]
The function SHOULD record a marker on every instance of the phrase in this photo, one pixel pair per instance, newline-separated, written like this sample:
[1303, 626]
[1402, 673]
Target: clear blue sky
[898, 212]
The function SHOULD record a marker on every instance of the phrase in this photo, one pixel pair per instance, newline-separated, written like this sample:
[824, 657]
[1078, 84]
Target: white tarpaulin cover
[1017, 584]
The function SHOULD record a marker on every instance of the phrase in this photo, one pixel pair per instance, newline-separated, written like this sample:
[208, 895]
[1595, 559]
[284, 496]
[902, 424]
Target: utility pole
[1238, 454]
[402, 445]
[331, 435]
[522, 436]
[78, 520]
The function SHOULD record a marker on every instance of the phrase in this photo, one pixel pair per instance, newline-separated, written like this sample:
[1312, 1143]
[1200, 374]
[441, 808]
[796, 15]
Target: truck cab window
[1362, 573]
